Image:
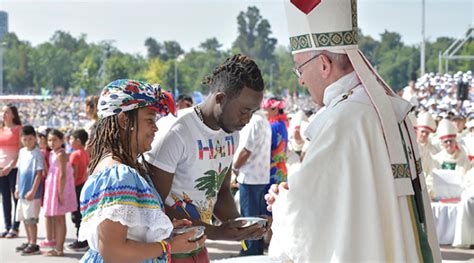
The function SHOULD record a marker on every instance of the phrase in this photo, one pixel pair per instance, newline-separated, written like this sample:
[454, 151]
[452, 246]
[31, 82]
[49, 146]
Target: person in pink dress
[60, 194]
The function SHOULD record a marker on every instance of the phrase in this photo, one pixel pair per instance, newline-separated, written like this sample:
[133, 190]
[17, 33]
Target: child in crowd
[79, 159]
[42, 135]
[29, 188]
[59, 194]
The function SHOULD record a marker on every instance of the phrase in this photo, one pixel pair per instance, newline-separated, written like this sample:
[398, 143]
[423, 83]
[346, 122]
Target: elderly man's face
[310, 76]
[422, 135]
[450, 145]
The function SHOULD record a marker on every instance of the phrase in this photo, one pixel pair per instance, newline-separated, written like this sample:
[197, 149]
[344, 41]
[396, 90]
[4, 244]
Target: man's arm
[242, 158]
[161, 179]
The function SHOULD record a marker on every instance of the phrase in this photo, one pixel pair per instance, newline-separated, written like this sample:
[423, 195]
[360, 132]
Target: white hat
[322, 25]
[425, 121]
[446, 130]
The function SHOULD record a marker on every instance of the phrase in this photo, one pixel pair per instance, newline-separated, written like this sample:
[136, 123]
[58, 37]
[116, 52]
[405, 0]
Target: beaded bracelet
[166, 250]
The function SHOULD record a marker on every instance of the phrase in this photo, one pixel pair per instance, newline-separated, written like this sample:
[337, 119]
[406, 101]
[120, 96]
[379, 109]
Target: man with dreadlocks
[123, 215]
[193, 159]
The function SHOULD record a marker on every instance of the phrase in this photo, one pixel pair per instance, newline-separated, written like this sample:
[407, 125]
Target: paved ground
[217, 250]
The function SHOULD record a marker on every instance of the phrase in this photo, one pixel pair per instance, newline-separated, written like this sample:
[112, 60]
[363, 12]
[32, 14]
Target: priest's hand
[233, 230]
[273, 193]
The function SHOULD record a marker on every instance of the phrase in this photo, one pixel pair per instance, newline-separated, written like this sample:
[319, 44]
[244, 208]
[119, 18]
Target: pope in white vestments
[359, 195]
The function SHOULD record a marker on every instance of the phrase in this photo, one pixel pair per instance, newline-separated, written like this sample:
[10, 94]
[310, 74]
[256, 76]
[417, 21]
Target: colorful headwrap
[271, 103]
[124, 95]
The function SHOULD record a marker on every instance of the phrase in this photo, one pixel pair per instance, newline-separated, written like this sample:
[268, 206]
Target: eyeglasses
[297, 69]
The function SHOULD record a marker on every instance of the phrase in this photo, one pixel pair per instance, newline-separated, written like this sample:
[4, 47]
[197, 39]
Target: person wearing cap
[191, 161]
[123, 215]
[359, 195]
[459, 122]
[451, 156]
[425, 126]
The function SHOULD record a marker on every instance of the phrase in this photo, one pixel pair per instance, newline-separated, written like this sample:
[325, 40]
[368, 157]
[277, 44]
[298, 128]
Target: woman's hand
[181, 243]
[6, 170]
[181, 223]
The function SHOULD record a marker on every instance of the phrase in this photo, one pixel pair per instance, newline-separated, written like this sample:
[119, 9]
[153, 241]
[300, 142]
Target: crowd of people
[57, 111]
[442, 95]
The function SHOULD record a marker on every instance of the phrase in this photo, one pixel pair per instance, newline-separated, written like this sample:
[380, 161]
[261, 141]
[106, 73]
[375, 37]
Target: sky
[129, 22]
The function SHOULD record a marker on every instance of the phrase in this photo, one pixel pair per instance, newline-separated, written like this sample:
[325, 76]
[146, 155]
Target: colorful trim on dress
[119, 195]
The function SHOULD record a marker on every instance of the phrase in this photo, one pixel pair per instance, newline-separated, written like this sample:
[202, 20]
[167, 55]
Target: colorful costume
[120, 194]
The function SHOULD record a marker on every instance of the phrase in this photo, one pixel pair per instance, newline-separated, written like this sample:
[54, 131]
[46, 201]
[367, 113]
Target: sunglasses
[449, 141]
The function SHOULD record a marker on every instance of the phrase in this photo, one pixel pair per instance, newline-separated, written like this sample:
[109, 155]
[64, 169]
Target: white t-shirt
[198, 156]
[256, 137]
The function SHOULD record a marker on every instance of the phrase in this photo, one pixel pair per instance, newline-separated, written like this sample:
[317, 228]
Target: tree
[18, 75]
[254, 35]
[64, 40]
[85, 77]
[284, 78]
[153, 48]
[210, 45]
[172, 50]
[52, 66]
[155, 71]
[124, 66]
[368, 46]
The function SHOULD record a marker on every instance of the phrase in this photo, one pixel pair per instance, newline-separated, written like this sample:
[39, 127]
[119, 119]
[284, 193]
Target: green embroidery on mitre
[300, 42]
[400, 171]
[354, 15]
[332, 39]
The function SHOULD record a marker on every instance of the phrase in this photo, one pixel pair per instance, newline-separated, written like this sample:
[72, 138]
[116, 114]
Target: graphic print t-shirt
[198, 156]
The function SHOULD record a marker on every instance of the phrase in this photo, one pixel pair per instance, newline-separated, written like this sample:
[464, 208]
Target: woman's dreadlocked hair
[108, 139]
[233, 75]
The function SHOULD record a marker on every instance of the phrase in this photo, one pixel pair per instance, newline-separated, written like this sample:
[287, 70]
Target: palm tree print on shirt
[212, 182]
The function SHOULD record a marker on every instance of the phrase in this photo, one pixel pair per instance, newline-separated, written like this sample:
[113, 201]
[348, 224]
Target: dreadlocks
[234, 74]
[108, 139]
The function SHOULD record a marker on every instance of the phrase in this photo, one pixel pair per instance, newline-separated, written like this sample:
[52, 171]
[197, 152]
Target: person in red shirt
[79, 160]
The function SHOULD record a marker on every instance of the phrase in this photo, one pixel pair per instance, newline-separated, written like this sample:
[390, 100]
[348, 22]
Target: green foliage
[17, 73]
[254, 35]
[210, 45]
[155, 71]
[73, 63]
[153, 48]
